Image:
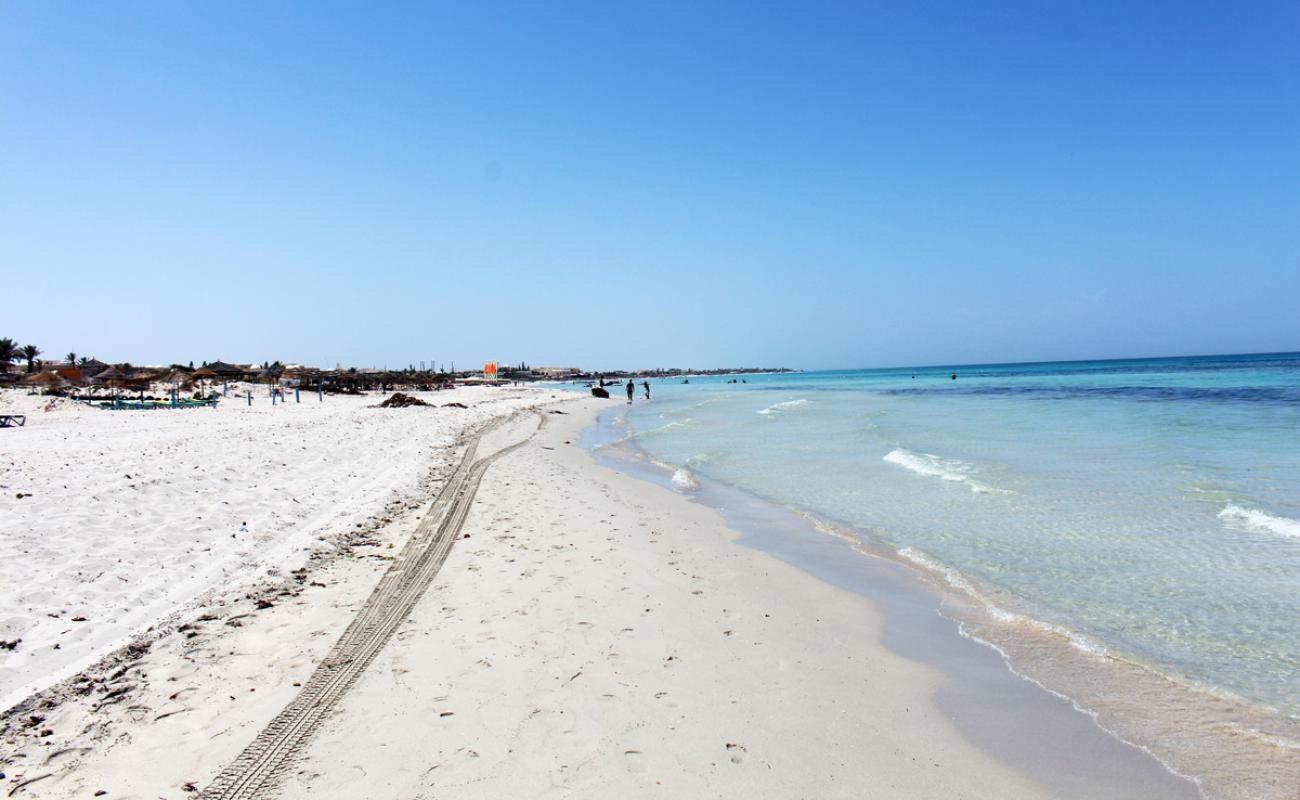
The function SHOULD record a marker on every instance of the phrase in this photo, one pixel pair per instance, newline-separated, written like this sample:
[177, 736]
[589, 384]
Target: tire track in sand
[261, 765]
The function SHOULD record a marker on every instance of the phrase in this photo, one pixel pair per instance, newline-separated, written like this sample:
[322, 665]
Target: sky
[642, 184]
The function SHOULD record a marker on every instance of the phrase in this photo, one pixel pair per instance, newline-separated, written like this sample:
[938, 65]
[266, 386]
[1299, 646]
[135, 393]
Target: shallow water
[1040, 734]
[1145, 513]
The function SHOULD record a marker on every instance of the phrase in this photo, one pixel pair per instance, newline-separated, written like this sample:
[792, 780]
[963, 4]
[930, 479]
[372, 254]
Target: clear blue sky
[642, 184]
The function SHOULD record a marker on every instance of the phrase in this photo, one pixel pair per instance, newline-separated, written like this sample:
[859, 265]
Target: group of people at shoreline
[631, 389]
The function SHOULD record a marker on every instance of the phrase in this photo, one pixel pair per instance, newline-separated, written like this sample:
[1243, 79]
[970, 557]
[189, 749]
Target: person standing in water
[630, 389]
[646, 384]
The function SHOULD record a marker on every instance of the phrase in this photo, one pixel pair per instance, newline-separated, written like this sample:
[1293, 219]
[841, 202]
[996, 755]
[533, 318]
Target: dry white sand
[112, 520]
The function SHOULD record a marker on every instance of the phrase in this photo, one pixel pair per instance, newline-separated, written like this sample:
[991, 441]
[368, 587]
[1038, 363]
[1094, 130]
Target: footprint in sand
[635, 761]
[737, 752]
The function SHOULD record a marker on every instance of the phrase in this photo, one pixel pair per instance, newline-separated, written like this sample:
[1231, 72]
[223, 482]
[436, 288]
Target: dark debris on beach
[400, 400]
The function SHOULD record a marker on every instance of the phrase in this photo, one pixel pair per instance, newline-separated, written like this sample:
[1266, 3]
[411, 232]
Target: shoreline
[589, 629]
[598, 633]
[1175, 723]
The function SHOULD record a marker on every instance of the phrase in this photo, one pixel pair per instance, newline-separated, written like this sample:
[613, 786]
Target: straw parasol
[69, 372]
[201, 374]
[111, 377]
[50, 378]
[92, 368]
[176, 378]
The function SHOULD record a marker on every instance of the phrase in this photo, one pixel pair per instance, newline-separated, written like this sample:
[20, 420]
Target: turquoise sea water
[1148, 509]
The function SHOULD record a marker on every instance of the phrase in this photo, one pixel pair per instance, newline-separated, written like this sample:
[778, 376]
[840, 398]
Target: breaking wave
[666, 428]
[1261, 521]
[948, 469]
[777, 408]
[684, 480]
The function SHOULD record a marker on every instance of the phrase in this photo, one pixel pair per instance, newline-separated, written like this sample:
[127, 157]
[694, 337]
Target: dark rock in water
[454, 405]
[596, 391]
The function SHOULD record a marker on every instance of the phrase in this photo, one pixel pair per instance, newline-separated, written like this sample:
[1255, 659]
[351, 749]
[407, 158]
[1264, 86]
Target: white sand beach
[112, 520]
[589, 633]
[596, 635]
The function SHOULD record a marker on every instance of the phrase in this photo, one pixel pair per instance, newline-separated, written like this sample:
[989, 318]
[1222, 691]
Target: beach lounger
[136, 405]
[13, 420]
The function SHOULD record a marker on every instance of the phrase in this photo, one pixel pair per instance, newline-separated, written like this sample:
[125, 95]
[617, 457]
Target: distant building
[225, 370]
[92, 368]
[557, 372]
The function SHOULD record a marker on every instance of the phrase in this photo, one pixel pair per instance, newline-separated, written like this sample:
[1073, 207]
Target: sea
[1103, 524]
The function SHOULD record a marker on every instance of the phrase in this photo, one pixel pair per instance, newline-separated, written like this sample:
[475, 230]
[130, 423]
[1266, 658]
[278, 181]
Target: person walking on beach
[630, 389]
[646, 384]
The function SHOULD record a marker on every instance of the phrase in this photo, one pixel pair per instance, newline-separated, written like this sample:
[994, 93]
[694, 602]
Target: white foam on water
[954, 578]
[1260, 521]
[685, 481]
[1269, 738]
[1076, 640]
[777, 408]
[1093, 648]
[838, 531]
[948, 469]
[666, 428]
[706, 401]
[958, 581]
[1091, 713]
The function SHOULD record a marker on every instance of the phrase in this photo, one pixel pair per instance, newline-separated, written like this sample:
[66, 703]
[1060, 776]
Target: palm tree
[71, 358]
[8, 351]
[30, 352]
[83, 361]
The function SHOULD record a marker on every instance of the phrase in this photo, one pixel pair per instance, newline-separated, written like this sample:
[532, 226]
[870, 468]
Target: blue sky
[646, 184]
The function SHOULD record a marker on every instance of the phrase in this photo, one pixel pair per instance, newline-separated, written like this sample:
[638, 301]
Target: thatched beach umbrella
[69, 373]
[175, 377]
[112, 377]
[91, 368]
[201, 374]
[46, 379]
